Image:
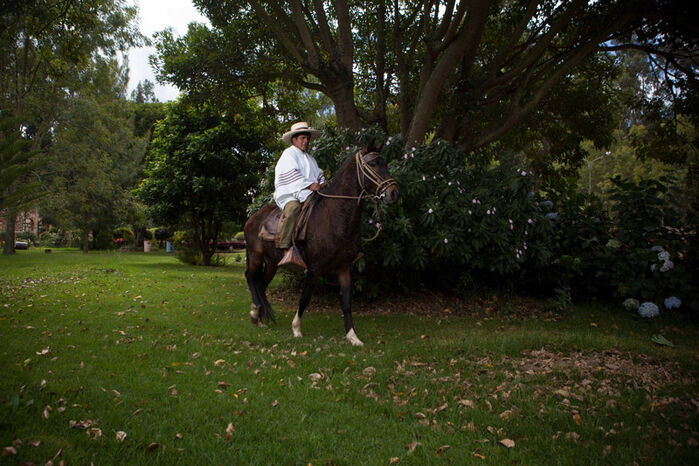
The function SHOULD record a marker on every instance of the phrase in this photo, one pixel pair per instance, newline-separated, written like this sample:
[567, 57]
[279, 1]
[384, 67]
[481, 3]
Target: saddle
[269, 231]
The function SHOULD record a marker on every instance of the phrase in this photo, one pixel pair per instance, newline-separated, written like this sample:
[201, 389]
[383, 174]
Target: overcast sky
[157, 15]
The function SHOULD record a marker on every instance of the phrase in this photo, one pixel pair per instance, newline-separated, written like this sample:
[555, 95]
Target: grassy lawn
[94, 347]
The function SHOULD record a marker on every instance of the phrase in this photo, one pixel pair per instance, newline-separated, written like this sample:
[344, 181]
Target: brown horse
[332, 240]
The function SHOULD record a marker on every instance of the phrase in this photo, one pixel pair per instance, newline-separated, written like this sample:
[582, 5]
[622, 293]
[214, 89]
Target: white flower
[524, 173]
[668, 265]
[430, 211]
[446, 241]
[648, 309]
[469, 212]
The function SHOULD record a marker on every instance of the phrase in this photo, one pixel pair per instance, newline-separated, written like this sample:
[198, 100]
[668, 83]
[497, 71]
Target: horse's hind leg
[252, 272]
[345, 278]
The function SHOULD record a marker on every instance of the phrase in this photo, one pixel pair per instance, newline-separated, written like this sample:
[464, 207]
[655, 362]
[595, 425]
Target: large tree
[468, 71]
[203, 168]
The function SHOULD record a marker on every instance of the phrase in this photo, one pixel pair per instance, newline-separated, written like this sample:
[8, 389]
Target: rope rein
[363, 168]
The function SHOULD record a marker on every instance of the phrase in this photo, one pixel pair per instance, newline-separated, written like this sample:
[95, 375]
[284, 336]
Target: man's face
[301, 141]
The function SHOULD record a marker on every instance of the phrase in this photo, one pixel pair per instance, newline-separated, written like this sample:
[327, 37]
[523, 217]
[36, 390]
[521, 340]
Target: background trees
[95, 155]
[44, 46]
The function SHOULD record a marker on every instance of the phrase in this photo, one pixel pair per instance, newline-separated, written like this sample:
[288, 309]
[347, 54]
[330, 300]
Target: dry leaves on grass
[507, 443]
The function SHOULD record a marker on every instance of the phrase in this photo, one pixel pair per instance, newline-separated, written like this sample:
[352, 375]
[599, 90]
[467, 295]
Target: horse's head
[374, 176]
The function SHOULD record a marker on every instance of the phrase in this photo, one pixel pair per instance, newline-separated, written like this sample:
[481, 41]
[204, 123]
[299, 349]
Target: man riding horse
[296, 176]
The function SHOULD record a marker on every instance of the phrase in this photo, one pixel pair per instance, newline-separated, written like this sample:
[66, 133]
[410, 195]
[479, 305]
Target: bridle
[365, 172]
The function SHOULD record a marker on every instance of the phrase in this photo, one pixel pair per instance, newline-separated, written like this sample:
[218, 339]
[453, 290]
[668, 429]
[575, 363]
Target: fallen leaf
[507, 442]
[507, 415]
[230, 430]
[577, 418]
[152, 447]
[466, 403]
[394, 460]
[661, 340]
[315, 377]
[274, 403]
[95, 433]
[477, 454]
[218, 362]
[442, 449]
[8, 451]
[121, 435]
[35, 443]
[369, 371]
[412, 446]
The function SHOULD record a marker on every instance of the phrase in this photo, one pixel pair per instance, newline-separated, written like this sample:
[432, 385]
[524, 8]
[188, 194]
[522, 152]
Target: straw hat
[300, 127]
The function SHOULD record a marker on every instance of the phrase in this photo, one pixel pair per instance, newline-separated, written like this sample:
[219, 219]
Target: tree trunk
[139, 233]
[9, 247]
[342, 95]
[86, 240]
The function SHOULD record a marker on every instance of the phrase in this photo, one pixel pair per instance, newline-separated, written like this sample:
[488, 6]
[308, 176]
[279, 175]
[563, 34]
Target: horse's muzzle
[391, 195]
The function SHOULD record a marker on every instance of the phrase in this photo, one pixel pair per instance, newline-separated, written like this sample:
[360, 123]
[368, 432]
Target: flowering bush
[648, 309]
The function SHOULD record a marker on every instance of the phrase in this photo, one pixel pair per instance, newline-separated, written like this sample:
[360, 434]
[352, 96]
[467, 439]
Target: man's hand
[314, 187]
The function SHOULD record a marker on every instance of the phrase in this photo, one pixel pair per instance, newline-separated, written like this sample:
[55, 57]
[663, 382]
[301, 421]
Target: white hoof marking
[255, 316]
[296, 326]
[352, 338]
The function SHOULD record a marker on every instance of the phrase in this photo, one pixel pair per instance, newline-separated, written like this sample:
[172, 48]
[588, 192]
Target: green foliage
[203, 166]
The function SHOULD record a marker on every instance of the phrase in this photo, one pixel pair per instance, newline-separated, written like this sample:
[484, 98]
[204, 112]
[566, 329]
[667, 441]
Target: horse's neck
[345, 212]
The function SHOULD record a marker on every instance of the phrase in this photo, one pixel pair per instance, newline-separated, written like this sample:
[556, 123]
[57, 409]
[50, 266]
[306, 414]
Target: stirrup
[293, 261]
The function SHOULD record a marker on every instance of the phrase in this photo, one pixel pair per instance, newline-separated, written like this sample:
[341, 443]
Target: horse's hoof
[352, 338]
[296, 326]
[255, 316]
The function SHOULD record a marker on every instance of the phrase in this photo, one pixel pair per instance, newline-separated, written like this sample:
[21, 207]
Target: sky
[157, 15]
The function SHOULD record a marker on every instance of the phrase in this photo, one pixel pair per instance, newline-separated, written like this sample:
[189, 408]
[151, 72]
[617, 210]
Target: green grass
[164, 352]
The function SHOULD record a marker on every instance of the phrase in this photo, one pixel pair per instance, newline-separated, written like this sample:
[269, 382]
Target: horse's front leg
[345, 278]
[303, 304]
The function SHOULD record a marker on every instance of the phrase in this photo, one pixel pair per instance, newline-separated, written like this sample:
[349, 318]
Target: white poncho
[295, 171]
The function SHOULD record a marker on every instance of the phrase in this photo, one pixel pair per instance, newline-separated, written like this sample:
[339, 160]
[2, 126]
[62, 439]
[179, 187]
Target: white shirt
[296, 170]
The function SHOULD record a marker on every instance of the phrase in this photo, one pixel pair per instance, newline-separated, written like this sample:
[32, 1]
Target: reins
[363, 168]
